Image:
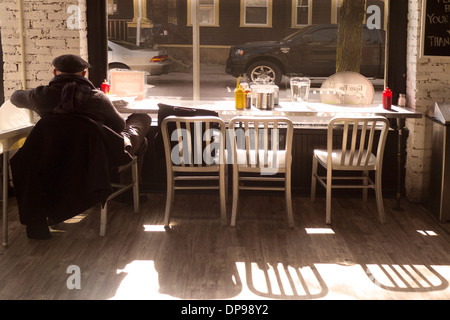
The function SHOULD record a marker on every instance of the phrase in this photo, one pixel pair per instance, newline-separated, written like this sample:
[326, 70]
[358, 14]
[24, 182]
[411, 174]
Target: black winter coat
[64, 168]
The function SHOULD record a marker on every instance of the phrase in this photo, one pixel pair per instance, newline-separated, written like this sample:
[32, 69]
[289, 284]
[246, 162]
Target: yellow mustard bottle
[239, 96]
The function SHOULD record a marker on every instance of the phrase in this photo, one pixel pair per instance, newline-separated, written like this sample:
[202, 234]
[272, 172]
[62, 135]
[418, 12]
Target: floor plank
[355, 257]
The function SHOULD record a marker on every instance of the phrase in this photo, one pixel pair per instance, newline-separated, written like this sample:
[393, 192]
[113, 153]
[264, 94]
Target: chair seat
[322, 156]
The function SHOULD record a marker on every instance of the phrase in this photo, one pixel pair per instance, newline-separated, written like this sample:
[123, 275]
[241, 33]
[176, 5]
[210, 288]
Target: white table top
[285, 108]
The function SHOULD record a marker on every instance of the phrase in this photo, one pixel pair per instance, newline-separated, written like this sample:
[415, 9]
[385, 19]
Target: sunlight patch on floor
[427, 233]
[319, 231]
[325, 280]
[154, 228]
[141, 282]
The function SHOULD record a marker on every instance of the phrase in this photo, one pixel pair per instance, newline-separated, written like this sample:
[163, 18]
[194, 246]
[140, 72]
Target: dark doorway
[2, 89]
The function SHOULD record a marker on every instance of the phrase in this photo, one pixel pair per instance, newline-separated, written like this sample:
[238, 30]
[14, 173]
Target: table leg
[5, 198]
[400, 127]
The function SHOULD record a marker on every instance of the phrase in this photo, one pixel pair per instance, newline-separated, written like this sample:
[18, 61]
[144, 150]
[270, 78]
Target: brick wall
[49, 30]
[428, 81]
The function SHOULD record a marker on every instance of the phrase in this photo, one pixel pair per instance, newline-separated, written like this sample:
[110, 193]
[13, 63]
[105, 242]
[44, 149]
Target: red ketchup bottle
[105, 87]
[387, 99]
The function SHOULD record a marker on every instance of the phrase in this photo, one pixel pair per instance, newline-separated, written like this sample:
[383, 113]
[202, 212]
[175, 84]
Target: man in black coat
[69, 92]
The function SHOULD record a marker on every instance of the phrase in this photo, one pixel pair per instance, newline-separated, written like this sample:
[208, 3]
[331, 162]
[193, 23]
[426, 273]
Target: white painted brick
[428, 81]
[44, 75]
[35, 33]
[60, 51]
[47, 24]
[35, 15]
[33, 67]
[10, 50]
[46, 36]
[50, 43]
[10, 31]
[50, 7]
[60, 33]
[37, 50]
[58, 16]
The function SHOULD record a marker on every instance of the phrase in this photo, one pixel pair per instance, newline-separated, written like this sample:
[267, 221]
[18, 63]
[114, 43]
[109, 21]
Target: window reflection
[165, 27]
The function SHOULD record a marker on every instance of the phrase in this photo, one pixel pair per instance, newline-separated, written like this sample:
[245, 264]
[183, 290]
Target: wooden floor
[354, 258]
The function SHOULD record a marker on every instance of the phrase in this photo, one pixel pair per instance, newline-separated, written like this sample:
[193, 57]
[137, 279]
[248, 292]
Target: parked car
[125, 55]
[310, 51]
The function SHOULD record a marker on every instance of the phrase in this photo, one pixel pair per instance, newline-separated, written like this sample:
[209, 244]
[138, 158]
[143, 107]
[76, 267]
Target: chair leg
[169, 201]
[226, 182]
[235, 196]
[313, 179]
[365, 180]
[328, 196]
[222, 192]
[103, 218]
[134, 172]
[379, 196]
[289, 201]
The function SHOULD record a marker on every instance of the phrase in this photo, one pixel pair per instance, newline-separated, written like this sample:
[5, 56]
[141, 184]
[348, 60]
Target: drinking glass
[300, 89]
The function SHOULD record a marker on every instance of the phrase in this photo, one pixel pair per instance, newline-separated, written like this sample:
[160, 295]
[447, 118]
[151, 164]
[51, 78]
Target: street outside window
[253, 40]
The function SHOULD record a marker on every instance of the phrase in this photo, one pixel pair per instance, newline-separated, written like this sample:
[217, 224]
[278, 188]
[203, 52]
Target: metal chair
[195, 157]
[261, 155]
[354, 154]
[119, 188]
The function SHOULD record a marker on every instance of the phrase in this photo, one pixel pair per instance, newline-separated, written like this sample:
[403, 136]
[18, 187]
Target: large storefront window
[276, 39]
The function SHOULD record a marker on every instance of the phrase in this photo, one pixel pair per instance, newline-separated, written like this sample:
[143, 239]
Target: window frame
[335, 6]
[215, 10]
[267, 24]
[294, 15]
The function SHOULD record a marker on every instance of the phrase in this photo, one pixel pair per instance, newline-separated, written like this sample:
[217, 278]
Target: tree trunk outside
[349, 42]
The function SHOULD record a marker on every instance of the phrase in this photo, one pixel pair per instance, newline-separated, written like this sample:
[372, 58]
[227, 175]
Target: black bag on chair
[166, 110]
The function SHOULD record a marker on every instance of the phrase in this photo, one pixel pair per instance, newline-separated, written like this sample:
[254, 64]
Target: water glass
[300, 89]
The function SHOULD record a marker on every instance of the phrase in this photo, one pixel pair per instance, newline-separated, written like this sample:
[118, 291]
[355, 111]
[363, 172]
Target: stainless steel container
[265, 99]
[255, 87]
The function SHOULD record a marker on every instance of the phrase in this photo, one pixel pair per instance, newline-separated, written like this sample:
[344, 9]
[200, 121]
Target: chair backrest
[193, 142]
[261, 138]
[166, 110]
[358, 139]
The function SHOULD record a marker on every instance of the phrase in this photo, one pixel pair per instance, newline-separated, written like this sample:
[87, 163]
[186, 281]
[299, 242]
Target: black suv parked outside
[310, 52]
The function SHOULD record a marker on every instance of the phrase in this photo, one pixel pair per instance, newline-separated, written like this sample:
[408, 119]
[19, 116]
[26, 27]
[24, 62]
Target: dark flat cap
[70, 63]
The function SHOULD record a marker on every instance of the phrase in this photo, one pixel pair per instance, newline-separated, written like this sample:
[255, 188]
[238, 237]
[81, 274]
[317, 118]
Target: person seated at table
[71, 92]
